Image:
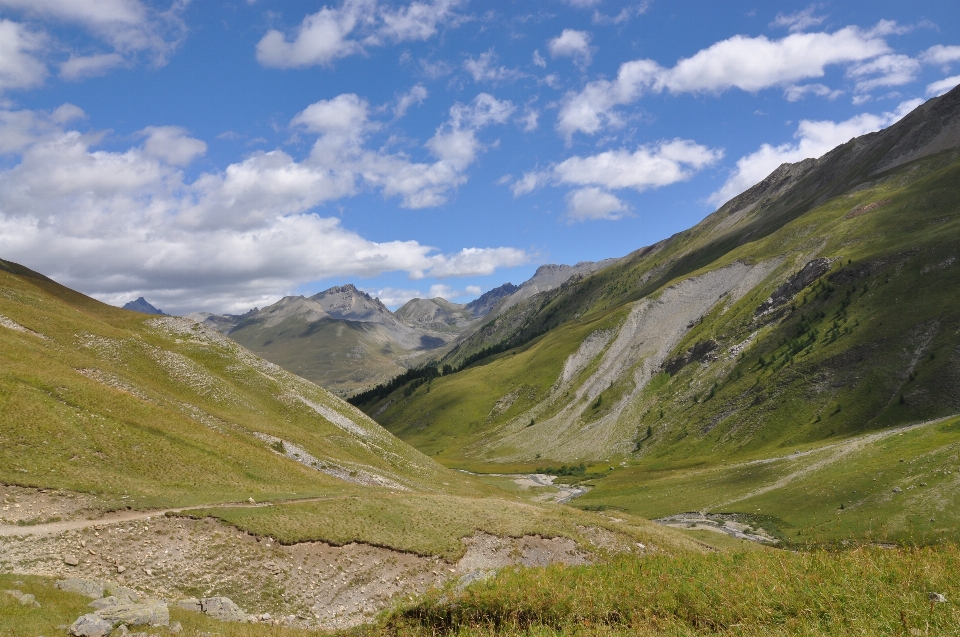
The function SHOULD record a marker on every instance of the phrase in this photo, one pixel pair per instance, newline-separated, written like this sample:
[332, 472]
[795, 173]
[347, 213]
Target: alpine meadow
[479, 320]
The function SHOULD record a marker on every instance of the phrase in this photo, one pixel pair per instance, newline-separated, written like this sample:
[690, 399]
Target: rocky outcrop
[699, 353]
[141, 305]
[792, 286]
[25, 599]
[221, 608]
[91, 626]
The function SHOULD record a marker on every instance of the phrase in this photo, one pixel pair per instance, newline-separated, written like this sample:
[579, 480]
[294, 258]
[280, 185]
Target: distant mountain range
[346, 340]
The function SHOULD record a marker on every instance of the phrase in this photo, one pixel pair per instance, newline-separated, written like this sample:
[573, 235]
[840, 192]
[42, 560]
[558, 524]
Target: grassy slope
[862, 366]
[339, 355]
[166, 416]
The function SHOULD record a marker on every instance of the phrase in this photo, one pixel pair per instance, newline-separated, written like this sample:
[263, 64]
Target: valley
[752, 427]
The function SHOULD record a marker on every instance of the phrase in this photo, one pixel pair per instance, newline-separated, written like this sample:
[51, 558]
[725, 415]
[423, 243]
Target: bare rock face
[222, 608]
[792, 286]
[91, 626]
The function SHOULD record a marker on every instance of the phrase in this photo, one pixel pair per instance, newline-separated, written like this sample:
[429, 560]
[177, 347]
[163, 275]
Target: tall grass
[866, 591]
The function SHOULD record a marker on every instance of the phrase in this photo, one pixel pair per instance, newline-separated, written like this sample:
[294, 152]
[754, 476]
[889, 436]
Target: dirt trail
[119, 517]
[842, 449]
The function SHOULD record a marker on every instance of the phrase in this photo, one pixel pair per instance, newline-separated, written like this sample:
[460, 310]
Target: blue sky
[214, 156]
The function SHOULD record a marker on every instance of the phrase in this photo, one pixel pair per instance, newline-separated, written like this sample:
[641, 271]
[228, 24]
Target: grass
[866, 591]
[431, 525]
[101, 400]
[869, 591]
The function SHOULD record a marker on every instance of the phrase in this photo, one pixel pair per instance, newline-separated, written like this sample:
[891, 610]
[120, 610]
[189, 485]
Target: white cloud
[750, 64]
[394, 297]
[814, 139]
[886, 70]
[942, 86]
[590, 204]
[583, 4]
[415, 95]
[128, 27]
[649, 166]
[940, 54]
[19, 66]
[472, 290]
[799, 20]
[484, 69]
[796, 92]
[171, 145]
[539, 60]
[119, 224]
[335, 32]
[530, 119]
[79, 67]
[573, 44]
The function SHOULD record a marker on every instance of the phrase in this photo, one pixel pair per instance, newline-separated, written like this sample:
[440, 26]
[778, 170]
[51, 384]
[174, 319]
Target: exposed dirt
[32, 506]
[312, 584]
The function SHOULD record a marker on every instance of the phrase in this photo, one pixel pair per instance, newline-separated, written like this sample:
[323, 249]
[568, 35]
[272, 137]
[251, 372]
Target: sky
[216, 156]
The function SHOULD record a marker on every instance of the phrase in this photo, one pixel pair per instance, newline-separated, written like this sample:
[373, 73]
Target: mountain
[141, 305]
[346, 340]
[482, 305]
[812, 306]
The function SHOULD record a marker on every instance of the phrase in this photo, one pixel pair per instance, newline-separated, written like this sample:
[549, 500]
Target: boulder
[86, 587]
[222, 608]
[70, 559]
[91, 626]
[104, 602]
[191, 604]
[122, 593]
[151, 613]
[25, 599]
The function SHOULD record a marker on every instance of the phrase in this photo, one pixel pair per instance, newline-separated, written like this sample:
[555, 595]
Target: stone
[122, 593]
[191, 604]
[104, 602]
[91, 626]
[86, 587]
[936, 598]
[150, 613]
[121, 631]
[121, 568]
[25, 599]
[175, 628]
[70, 559]
[222, 608]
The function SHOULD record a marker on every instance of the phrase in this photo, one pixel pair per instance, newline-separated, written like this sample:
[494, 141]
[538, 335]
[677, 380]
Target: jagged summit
[347, 302]
[482, 305]
[141, 305]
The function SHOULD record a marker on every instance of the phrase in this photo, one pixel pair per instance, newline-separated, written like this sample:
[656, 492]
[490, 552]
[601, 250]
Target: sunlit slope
[164, 411]
[869, 341]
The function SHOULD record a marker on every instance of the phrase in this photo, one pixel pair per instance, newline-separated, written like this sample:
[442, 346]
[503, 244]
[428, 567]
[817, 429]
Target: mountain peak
[141, 305]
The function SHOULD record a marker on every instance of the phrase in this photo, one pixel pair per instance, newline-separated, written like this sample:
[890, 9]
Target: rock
[191, 604]
[897, 490]
[121, 568]
[25, 599]
[222, 608]
[104, 602]
[70, 559]
[91, 626]
[175, 628]
[150, 613]
[936, 598]
[86, 587]
[121, 631]
[251, 501]
[807, 275]
[122, 593]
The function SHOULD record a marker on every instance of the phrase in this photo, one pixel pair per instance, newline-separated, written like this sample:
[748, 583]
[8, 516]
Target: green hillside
[819, 306]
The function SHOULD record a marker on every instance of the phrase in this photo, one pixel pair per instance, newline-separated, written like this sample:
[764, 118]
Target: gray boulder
[104, 602]
[25, 599]
[150, 613]
[222, 608]
[91, 626]
[191, 604]
[89, 588]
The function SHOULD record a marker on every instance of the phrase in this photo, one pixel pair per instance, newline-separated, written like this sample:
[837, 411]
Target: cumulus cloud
[814, 139]
[539, 60]
[590, 204]
[798, 20]
[129, 28]
[750, 64]
[649, 166]
[940, 54]
[886, 70]
[119, 224]
[335, 32]
[19, 66]
[942, 86]
[627, 13]
[573, 44]
[415, 95]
